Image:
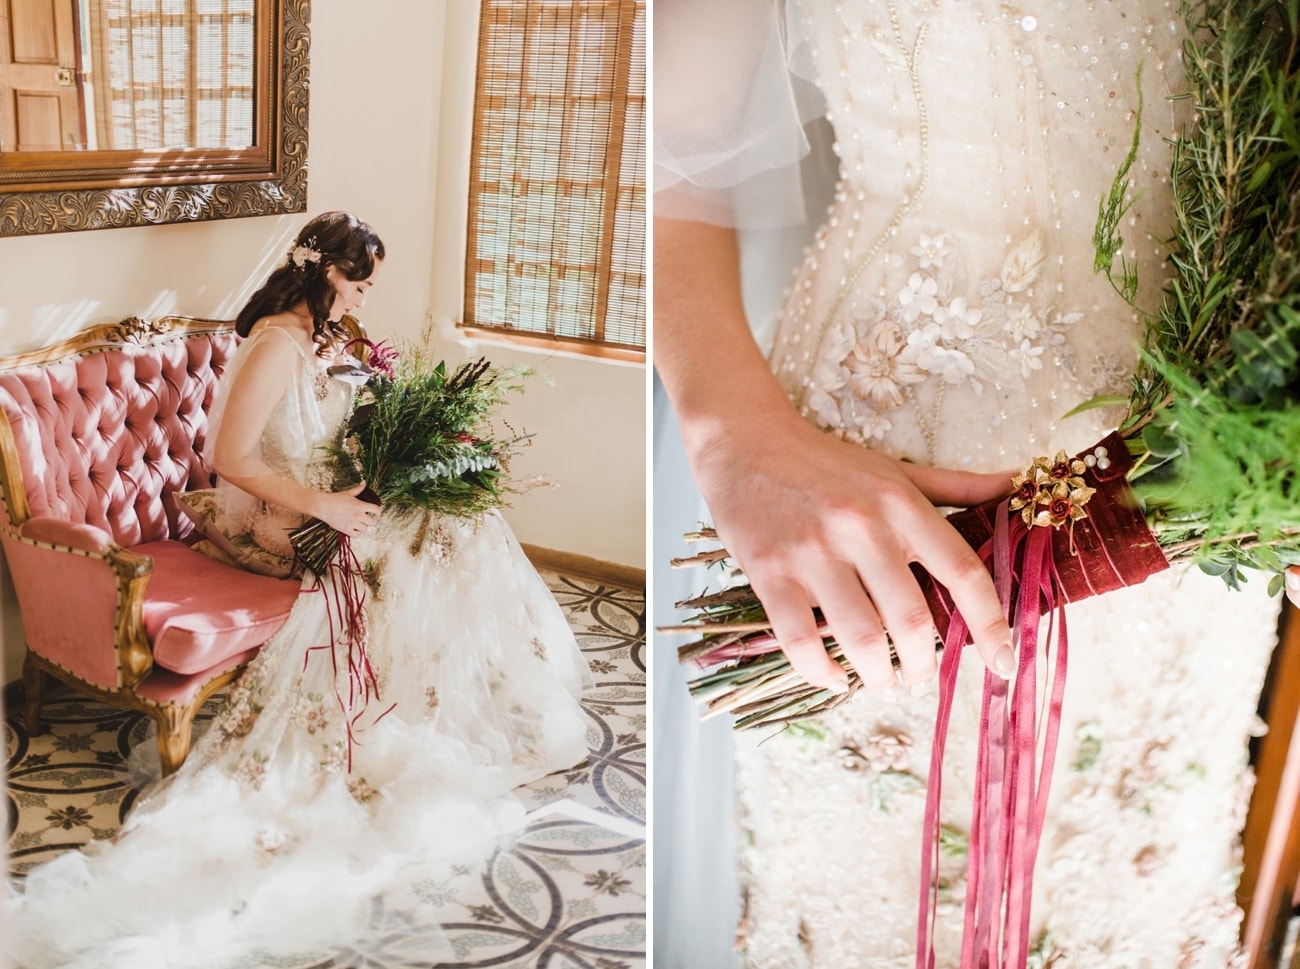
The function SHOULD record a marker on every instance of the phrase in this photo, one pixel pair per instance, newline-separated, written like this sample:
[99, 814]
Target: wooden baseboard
[581, 566]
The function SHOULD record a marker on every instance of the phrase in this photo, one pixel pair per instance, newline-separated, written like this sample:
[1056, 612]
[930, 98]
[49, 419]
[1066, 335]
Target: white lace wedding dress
[946, 311]
[265, 845]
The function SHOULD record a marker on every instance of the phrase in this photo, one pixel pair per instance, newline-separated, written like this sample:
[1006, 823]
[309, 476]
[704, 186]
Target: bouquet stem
[317, 544]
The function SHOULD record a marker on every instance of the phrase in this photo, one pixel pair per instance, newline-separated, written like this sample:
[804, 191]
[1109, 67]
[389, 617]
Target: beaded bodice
[303, 424]
[948, 310]
[306, 420]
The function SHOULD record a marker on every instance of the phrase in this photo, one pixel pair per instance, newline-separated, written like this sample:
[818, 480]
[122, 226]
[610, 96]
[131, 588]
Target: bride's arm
[261, 381]
[812, 520]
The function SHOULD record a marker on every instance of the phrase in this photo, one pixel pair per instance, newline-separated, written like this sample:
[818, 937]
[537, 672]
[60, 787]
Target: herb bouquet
[419, 436]
[1202, 468]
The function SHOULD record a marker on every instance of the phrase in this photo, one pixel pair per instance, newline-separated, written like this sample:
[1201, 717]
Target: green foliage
[1231, 314]
[422, 439]
[1214, 415]
[1228, 496]
[1107, 243]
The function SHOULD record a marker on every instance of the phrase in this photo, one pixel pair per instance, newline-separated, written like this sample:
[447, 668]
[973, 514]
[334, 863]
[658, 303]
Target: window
[556, 245]
[171, 73]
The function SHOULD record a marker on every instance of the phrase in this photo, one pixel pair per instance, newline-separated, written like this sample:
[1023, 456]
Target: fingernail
[839, 686]
[1004, 662]
[1293, 581]
[890, 694]
[921, 689]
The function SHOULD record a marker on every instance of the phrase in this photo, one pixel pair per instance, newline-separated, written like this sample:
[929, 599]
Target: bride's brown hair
[337, 239]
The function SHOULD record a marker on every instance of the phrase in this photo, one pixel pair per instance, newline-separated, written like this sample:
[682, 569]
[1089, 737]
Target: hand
[816, 522]
[345, 512]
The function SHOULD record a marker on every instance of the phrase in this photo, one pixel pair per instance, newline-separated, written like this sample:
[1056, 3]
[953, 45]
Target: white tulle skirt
[265, 845]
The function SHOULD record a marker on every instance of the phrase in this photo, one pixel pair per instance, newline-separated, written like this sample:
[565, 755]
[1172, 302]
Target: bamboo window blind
[556, 244]
[172, 73]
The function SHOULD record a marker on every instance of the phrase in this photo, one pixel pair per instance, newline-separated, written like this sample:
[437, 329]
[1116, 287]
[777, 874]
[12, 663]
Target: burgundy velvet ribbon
[1113, 544]
[1035, 571]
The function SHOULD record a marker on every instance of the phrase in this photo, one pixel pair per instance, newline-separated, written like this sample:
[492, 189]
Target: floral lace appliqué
[239, 712]
[938, 330]
[310, 713]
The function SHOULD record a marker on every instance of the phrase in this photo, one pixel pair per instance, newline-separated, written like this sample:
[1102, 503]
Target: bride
[943, 314]
[302, 822]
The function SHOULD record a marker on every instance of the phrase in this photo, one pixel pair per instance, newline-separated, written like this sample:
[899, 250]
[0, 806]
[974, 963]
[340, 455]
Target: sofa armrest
[70, 535]
[81, 600]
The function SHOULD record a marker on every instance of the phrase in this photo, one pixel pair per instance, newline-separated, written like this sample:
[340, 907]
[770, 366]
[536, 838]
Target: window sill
[550, 345]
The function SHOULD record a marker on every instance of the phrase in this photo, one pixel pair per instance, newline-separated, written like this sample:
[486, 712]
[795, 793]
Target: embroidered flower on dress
[336, 757]
[1022, 323]
[934, 327]
[240, 710]
[361, 790]
[1027, 357]
[250, 769]
[886, 751]
[874, 426]
[1107, 372]
[956, 320]
[918, 297]
[930, 250]
[310, 713]
[878, 373]
[924, 350]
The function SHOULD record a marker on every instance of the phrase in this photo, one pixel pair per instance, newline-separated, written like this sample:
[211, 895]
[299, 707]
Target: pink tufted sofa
[95, 435]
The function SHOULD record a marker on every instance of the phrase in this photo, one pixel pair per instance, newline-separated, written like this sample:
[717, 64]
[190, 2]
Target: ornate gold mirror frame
[43, 192]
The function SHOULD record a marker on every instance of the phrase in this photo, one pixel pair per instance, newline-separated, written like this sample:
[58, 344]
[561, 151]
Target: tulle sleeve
[731, 98]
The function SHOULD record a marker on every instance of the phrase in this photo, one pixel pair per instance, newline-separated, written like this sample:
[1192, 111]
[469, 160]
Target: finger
[906, 616]
[1293, 585]
[959, 489]
[946, 556]
[356, 489]
[795, 628]
[855, 624]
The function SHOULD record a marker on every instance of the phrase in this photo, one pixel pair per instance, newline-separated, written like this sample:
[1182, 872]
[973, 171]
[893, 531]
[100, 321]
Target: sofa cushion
[199, 612]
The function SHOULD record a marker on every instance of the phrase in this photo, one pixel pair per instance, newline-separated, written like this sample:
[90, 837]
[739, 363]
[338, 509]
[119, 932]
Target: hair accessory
[300, 255]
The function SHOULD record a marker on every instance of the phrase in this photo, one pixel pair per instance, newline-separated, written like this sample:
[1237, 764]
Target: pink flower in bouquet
[383, 359]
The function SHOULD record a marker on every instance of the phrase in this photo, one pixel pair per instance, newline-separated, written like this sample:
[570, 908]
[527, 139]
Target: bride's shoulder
[282, 330]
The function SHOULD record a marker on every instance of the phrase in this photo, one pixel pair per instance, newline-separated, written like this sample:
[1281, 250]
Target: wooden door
[39, 106]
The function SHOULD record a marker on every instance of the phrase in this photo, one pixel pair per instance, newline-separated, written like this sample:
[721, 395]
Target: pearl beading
[909, 201]
[828, 291]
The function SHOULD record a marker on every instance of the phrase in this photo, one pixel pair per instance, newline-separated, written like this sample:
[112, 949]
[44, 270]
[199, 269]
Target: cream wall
[377, 100]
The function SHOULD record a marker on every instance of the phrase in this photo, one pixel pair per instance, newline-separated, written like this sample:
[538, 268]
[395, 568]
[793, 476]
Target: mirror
[139, 112]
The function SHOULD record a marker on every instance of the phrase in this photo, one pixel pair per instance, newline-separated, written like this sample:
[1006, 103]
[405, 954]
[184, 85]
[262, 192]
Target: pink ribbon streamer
[1011, 790]
[345, 608]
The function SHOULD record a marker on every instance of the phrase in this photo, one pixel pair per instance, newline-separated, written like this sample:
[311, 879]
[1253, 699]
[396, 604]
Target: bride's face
[349, 294]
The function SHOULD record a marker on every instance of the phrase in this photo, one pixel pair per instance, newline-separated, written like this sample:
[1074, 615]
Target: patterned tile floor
[569, 894]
